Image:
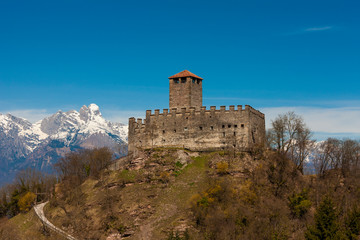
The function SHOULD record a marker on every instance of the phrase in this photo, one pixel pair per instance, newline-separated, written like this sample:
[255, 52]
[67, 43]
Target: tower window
[212, 128]
[174, 130]
[235, 126]
[183, 80]
[234, 133]
[223, 134]
[198, 81]
[193, 81]
[200, 128]
[185, 128]
[176, 80]
[163, 131]
[223, 126]
[229, 126]
[242, 125]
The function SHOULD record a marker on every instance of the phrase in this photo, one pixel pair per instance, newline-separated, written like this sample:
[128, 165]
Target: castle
[190, 125]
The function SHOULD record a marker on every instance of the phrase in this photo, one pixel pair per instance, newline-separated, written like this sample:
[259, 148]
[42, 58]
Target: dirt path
[39, 210]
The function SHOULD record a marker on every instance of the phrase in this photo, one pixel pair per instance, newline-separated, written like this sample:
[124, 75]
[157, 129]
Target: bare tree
[350, 157]
[99, 158]
[77, 166]
[325, 156]
[338, 154]
[302, 146]
[291, 137]
[35, 181]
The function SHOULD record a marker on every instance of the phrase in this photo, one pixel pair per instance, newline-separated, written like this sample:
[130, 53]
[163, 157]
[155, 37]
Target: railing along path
[39, 210]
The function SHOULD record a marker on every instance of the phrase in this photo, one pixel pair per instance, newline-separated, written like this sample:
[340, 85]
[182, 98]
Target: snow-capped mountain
[41, 144]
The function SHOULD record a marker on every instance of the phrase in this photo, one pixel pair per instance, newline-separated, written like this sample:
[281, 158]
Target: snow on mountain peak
[70, 127]
[94, 109]
[41, 144]
[9, 122]
[90, 113]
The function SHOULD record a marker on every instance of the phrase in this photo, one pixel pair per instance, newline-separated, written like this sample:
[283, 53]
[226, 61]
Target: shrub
[113, 223]
[177, 236]
[164, 177]
[222, 168]
[352, 223]
[179, 164]
[299, 204]
[26, 202]
[247, 194]
[326, 223]
[202, 202]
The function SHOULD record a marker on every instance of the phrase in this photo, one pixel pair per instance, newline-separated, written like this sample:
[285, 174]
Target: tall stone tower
[185, 90]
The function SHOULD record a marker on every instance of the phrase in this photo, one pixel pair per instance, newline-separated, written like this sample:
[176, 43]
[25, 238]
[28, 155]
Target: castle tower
[185, 90]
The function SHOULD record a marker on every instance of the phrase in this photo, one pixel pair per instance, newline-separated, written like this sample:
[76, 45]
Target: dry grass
[25, 227]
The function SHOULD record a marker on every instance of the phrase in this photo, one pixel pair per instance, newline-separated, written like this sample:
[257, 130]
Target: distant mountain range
[39, 145]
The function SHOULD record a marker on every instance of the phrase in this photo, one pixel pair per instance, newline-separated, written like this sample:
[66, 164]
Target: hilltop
[147, 198]
[164, 192]
[171, 193]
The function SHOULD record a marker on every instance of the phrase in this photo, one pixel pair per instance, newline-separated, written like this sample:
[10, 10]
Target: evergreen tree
[326, 225]
[352, 223]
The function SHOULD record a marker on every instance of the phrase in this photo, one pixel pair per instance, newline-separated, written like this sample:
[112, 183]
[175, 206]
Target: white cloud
[32, 115]
[341, 121]
[308, 30]
[320, 119]
[327, 120]
[315, 29]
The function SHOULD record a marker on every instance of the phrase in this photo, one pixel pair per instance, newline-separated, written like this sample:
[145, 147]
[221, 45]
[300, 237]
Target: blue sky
[274, 55]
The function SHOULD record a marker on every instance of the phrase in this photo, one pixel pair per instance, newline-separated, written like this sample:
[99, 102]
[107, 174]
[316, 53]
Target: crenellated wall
[198, 129]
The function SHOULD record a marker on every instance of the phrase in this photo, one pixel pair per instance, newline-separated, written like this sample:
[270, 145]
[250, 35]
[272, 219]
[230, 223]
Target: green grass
[199, 161]
[127, 176]
[187, 183]
[180, 191]
[28, 226]
[179, 164]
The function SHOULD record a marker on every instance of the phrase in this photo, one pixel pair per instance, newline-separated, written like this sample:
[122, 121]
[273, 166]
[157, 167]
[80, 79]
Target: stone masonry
[190, 125]
[185, 90]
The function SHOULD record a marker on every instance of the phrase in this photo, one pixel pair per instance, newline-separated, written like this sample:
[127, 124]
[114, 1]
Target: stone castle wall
[198, 129]
[185, 92]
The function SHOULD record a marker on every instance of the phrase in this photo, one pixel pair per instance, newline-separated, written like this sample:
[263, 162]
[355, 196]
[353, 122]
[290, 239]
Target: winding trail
[39, 210]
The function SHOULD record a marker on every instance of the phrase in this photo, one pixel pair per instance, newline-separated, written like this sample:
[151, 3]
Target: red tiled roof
[185, 73]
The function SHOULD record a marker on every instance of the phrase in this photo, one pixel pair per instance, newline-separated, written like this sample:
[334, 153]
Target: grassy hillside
[25, 226]
[179, 194]
[147, 199]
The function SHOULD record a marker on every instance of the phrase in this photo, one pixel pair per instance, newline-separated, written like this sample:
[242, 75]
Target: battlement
[203, 129]
[188, 124]
[192, 111]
